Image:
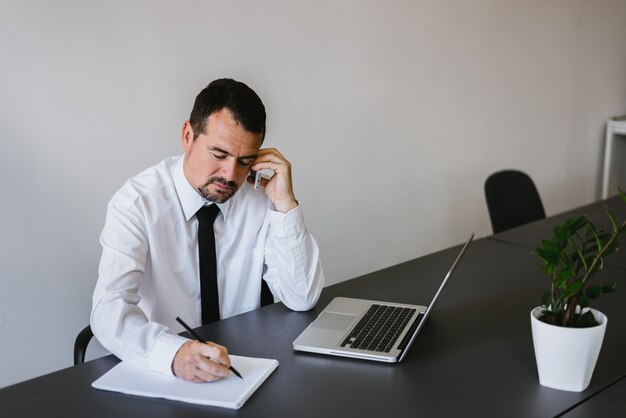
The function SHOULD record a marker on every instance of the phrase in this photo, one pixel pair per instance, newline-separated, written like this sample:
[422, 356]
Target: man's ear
[187, 136]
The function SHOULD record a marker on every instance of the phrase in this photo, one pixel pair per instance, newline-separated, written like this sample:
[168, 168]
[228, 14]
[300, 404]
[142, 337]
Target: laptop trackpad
[334, 321]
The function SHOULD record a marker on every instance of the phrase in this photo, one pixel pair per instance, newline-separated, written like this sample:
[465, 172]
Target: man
[150, 271]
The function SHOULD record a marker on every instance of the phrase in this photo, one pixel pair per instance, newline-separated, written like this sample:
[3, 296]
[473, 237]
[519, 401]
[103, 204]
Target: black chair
[512, 200]
[80, 345]
[85, 335]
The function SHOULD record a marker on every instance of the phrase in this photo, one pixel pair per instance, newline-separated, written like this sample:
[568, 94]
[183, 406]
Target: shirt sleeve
[294, 271]
[117, 321]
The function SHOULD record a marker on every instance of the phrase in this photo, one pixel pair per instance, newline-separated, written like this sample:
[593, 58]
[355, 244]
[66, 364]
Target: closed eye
[244, 163]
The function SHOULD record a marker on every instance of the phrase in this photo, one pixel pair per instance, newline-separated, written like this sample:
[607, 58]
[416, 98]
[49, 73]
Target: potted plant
[567, 333]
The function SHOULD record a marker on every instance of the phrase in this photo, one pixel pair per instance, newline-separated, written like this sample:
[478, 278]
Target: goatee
[219, 196]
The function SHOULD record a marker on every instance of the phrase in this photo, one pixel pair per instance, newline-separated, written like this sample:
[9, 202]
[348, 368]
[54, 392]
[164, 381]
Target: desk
[609, 403]
[474, 357]
[613, 128]
[531, 234]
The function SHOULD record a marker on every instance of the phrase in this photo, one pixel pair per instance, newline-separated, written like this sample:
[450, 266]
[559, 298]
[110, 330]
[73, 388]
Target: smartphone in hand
[258, 175]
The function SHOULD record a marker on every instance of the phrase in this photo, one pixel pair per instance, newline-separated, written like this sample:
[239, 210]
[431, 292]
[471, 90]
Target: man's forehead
[225, 133]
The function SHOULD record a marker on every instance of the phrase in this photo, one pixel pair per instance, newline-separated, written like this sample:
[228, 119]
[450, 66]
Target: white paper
[231, 392]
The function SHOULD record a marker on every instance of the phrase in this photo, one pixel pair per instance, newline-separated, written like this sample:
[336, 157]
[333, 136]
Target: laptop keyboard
[379, 328]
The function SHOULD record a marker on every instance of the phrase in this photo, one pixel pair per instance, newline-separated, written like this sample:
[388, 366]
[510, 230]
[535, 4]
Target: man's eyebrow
[249, 157]
[221, 151]
[245, 157]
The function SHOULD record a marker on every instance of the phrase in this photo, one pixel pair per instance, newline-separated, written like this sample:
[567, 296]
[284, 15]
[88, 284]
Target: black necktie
[208, 265]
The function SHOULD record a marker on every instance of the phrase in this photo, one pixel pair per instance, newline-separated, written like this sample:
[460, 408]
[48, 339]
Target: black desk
[530, 235]
[609, 403]
[474, 357]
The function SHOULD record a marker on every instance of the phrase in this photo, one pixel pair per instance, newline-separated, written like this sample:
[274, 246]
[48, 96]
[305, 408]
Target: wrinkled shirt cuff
[163, 353]
[288, 225]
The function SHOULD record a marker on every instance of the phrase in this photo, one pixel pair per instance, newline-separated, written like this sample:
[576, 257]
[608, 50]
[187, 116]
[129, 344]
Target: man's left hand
[279, 188]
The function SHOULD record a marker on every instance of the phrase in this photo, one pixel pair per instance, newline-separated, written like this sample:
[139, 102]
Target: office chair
[85, 335]
[512, 200]
[80, 345]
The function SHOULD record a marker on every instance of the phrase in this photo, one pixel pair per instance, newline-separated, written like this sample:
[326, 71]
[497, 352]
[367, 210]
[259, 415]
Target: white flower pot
[566, 357]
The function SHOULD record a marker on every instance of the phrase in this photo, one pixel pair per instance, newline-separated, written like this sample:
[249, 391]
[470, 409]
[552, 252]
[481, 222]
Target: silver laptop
[368, 329]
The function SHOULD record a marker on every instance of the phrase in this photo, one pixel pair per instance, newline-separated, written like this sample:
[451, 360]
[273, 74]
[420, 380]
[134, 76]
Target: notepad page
[231, 392]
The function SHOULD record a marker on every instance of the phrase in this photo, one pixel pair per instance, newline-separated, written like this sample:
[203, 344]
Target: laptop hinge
[409, 334]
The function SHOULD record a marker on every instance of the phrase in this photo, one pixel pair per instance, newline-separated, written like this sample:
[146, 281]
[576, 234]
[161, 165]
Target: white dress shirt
[149, 271]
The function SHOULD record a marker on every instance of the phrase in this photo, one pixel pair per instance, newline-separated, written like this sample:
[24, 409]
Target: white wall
[392, 112]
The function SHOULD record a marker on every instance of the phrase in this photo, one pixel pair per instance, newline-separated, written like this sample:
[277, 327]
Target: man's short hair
[225, 93]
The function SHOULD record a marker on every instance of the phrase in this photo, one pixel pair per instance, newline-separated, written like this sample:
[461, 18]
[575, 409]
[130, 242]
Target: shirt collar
[190, 199]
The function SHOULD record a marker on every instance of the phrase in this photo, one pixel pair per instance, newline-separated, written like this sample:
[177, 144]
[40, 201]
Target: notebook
[367, 329]
[231, 392]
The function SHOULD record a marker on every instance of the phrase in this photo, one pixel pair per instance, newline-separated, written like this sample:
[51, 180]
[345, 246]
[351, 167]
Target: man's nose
[229, 169]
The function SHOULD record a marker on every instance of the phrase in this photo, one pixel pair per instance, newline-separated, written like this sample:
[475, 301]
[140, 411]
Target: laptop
[367, 329]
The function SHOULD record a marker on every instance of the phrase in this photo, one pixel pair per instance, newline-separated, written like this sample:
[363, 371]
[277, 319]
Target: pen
[199, 338]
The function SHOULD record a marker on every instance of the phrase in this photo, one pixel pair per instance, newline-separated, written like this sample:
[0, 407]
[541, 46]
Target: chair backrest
[85, 335]
[512, 200]
[80, 345]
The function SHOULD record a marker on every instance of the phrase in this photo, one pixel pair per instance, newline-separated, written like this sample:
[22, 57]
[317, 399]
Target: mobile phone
[257, 179]
[258, 175]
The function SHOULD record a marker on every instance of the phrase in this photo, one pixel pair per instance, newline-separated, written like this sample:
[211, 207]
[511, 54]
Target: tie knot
[207, 214]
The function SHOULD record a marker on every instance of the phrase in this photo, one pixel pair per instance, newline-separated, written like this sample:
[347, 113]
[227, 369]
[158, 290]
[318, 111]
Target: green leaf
[585, 320]
[546, 299]
[561, 281]
[571, 290]
[578, 222]
[599, 266]
[594, 291]
[583, 301]
[550, 247]
[590, 238]
[588, 249]
[579, 256]
[611, 218]
[609, 288]
[565, 274]
[547, 256]
[596, 236]
[614, 247]
[561, 236]
[559, 305]
[546, 269]
[604, 238]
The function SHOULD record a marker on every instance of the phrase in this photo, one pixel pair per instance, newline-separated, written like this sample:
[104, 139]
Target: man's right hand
[199, 362]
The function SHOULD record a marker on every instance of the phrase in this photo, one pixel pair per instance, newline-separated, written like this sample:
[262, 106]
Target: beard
[218, 196]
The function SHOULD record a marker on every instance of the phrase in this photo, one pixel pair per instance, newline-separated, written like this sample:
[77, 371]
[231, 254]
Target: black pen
[199, 338]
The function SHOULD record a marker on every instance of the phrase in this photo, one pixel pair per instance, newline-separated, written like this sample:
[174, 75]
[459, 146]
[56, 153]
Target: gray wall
[392, 112]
